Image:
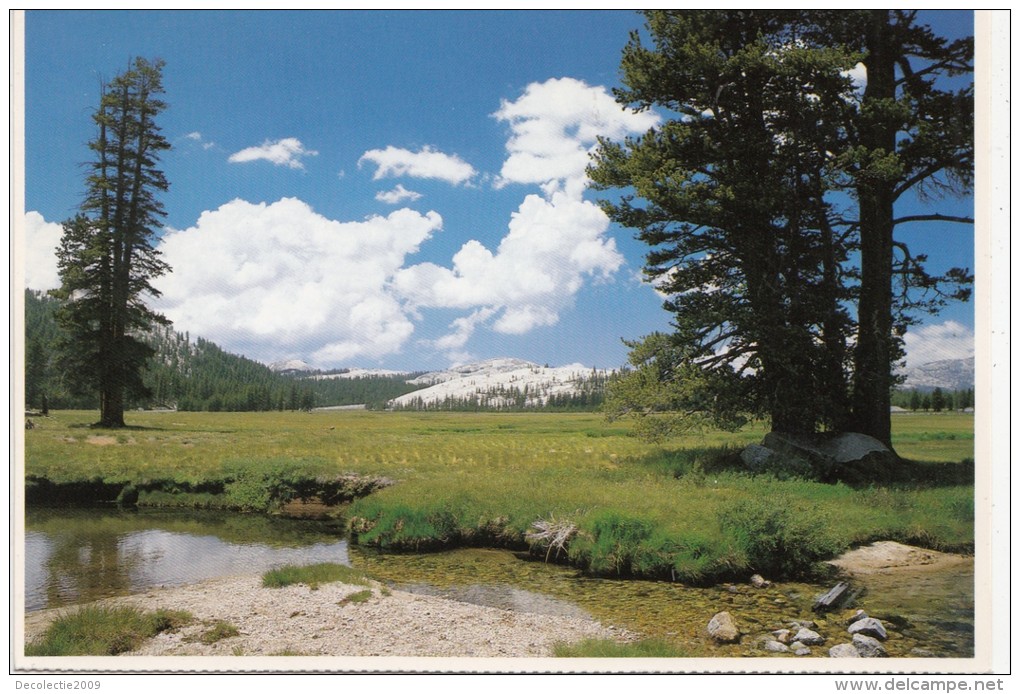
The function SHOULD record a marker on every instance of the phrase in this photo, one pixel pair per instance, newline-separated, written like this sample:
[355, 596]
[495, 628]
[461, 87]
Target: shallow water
[79, 555]
[930, 611]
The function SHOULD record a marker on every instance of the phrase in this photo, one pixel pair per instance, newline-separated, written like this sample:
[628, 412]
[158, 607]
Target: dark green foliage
[952, 400]
[730, 196]
[668, 394]
[772, 272]
[910, 136]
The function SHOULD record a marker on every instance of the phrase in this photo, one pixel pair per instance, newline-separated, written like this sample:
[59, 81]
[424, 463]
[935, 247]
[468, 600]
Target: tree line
[934, 400]
[186, 374]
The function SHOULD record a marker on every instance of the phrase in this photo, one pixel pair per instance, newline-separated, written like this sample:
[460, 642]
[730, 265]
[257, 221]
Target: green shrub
[99, 630]
[313, 575]
[219, 631]
[693, 559]
[610, 543]
[356, 598]
[401, 527]
[778, 538]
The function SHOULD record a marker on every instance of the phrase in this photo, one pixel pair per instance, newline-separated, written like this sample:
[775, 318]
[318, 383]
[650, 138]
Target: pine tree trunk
[873, 356]
[111, 405]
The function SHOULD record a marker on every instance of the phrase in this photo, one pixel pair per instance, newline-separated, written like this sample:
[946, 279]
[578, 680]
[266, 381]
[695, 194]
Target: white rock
[869, 647]
[844, 650]
[869, 626]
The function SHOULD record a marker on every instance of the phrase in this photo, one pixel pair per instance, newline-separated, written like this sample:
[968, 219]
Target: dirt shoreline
[890, 557]
[297, 620]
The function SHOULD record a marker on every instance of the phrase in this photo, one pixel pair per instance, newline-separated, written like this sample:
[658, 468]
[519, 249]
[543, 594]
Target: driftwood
[836, 596]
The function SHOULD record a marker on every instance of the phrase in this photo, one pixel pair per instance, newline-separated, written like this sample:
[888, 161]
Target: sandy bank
[299, 621]
[889, 557]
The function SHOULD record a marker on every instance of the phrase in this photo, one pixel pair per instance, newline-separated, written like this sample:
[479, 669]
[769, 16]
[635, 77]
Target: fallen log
[836, 596]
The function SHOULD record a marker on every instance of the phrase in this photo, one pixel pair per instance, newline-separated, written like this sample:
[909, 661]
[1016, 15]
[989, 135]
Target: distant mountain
[506, 383]
[290, 366]
[947, 374]
[484, 369]
[198, 375]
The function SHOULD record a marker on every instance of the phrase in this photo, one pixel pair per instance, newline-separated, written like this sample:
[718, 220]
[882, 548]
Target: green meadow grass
[99, 630]
[681, 511]
[313, 576]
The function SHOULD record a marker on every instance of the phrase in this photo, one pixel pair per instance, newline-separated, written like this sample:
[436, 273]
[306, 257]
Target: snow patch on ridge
[497, 381]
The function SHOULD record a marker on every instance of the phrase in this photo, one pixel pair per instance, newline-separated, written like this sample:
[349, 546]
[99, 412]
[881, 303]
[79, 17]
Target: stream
[79, 555]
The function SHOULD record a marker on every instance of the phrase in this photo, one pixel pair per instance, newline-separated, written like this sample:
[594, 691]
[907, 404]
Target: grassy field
[619, 506]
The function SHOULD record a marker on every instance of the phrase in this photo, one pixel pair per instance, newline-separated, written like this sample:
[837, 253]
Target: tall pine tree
[107, 257]
[770, 199]
[910, 135]
[731, 196]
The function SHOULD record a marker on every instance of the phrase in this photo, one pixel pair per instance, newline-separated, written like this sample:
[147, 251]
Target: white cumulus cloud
[555, 242]
[551, 248]
[41, 239]
[553, 127]
[928, 343]
[425, 163]
[397, 195]
[286, 152]
[279, 280]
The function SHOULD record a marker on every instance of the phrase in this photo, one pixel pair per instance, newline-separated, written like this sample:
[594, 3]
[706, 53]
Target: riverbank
[568, 487]
[299, 621]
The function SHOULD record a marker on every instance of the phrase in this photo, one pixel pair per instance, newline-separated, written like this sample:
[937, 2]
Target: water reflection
[76, 555]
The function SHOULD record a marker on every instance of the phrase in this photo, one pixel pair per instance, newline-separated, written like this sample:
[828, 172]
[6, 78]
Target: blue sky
[381, 189]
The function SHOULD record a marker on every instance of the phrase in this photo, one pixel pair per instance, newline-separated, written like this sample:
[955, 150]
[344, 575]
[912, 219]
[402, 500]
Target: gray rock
[801, 650]
[723, 629]
[757, 458]
[809, 638]
[782, 635]
[869, 626]
[825, 453]
[857, 616]
[844, 650]
[803, 624]
[773, 646]
[759, 582]
[869, 647]
[765, 458]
